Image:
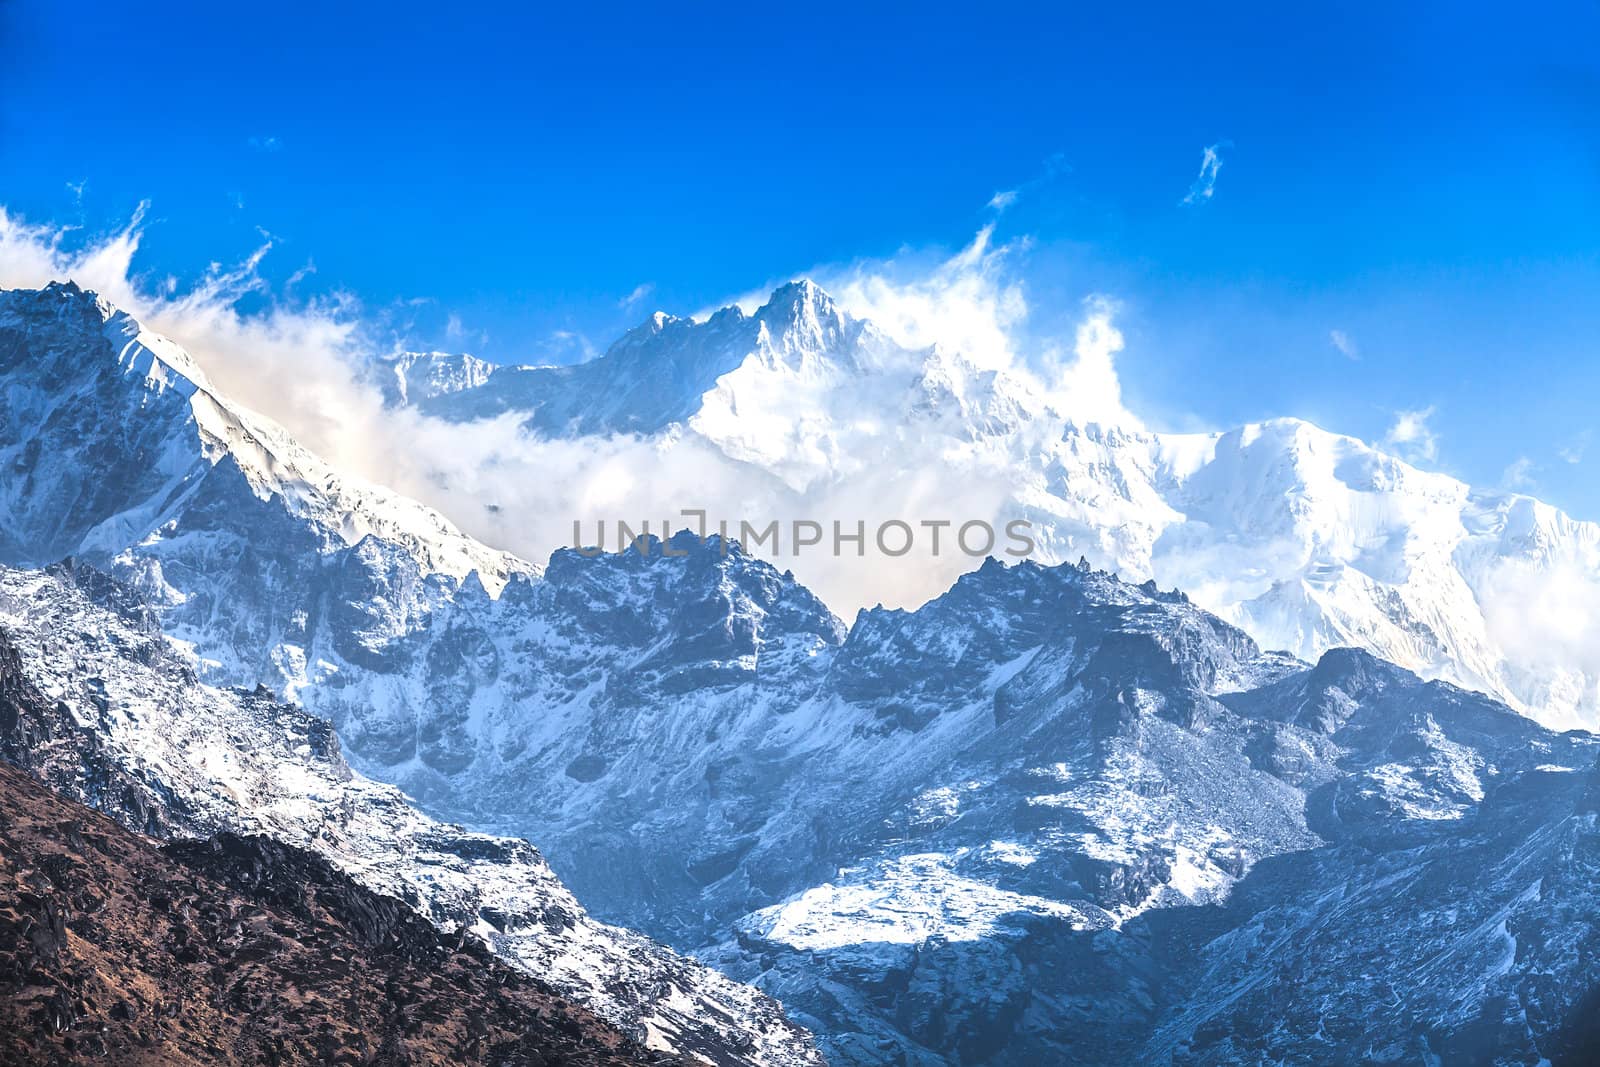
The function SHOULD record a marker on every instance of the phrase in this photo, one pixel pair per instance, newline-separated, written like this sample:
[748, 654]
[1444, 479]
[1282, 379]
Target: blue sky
[1425, 182]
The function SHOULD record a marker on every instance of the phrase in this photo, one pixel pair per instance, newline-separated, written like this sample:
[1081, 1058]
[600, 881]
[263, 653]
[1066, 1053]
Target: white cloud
[1572, 451]
[1004, 199]
[1545, 613]
[1519, 475]
[1205, 184]
[265, 144]
[1087, 387]
[971, 302]
[300, 275]
[1054, 167]
[965, 302]
[453, 328]
[1343, 342]
[639, 293]
[1412, 436]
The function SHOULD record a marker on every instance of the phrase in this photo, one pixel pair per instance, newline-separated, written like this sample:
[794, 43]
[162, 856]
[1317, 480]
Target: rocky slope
[1435, 909]
[242, 950]
[95, 702]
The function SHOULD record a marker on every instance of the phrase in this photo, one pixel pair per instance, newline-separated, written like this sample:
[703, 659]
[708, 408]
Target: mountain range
[1307, 539]
[1051, 815]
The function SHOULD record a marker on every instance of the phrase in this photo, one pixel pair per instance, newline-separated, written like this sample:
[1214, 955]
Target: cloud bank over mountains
[311, 365]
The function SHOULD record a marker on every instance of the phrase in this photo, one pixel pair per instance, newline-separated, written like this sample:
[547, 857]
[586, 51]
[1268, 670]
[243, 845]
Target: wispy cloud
[571, 346]
[964, 302]
[1003, 199]
[1572, 451]
[457, 333]
[1344, 343]
[640, 292]
[1054, 167]
[1412, 436]
[266, 144]
[1205, 184]
[1519, 475]
[76, 189]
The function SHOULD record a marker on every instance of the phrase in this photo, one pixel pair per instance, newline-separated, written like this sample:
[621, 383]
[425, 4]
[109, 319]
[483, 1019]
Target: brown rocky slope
[115, 949]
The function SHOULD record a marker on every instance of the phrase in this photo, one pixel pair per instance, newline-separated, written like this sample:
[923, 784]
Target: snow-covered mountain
[658, 373]
[415, 377]
[1069, 765]
[1039, 819]
[95, 702]
[946, 836]
[117, 450]
[266, 565]
[1308, 539]
[1049, 817]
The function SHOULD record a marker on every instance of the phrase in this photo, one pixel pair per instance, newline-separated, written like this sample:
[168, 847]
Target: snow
[910, 900]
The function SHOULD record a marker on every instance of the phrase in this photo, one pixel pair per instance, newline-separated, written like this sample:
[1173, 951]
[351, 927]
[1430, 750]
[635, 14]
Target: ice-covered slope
[94, 701]
[1307, 539]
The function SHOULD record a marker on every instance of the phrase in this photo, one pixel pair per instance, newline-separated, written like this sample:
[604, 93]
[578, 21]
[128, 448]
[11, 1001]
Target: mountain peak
[650, 328]
[55, 299]
[411, 377]
[799, 298]
[800, 317]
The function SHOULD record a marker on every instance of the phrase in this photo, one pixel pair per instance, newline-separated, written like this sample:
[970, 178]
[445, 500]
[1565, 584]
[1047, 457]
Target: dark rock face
[240, 950]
